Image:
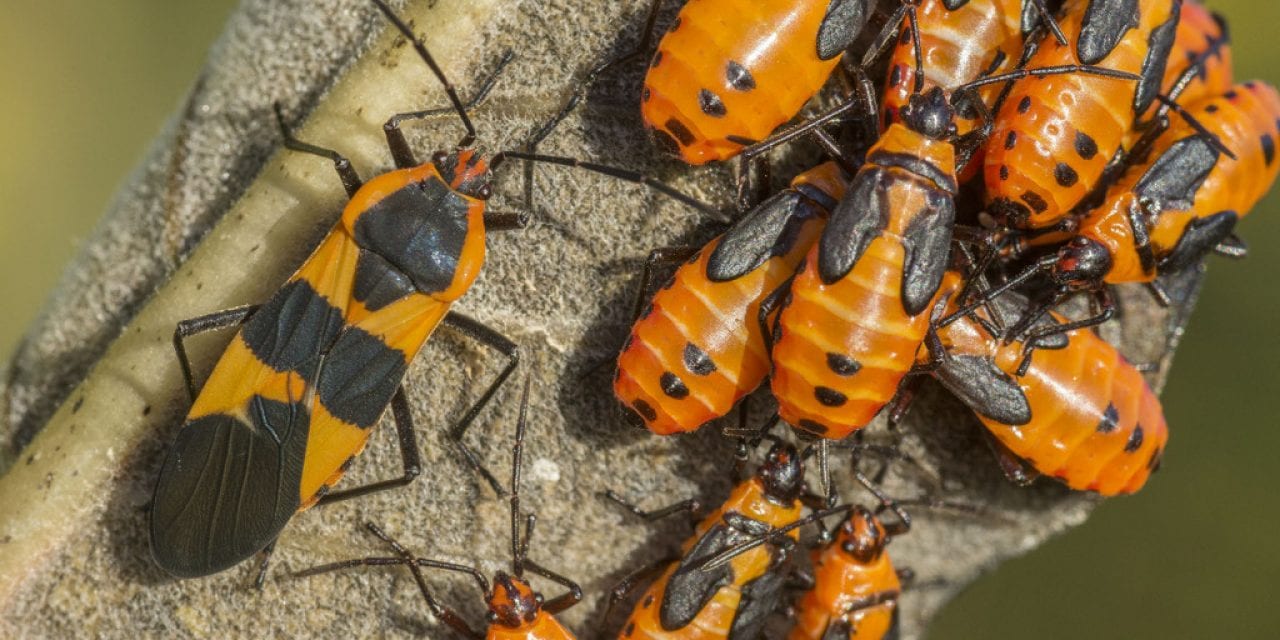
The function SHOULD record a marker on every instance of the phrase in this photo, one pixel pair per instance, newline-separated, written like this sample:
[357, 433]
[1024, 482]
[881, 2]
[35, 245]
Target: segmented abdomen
[1095, 423]
[839, 584]
[1199, 33]
[716, 618]
[842, 349]
[1053, 136]
[697, 349]
[956, 46]
[727, 73]
[1247, 121]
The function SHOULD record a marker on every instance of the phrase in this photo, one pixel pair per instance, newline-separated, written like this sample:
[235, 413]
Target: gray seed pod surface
[95, 396]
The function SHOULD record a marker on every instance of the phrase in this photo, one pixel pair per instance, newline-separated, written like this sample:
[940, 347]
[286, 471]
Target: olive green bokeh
[86, 85]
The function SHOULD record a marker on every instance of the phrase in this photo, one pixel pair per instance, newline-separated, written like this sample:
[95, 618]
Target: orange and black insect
[727, 73]
[516, 611]
[733, 600]
[696, 348]
[1200, 61]
[1079, 412]
[958, 41]
[855, 586]
[1054, 137]
[295, 395]
[853, 589]
[853, 317]
[1166, 214]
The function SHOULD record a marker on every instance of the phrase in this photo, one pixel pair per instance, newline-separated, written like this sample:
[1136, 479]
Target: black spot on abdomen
[1135, 440]
[681, 132]
[711, 104]
[739, 77]
[697, 361]
[673, 386]
[1065, 175]
[1110, 420]
[842, 365]
[1085, 145]
[830, 397]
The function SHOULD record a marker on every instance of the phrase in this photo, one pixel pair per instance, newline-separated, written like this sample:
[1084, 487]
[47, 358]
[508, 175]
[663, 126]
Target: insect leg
[479, 332]
[266, 553]
[562, 602]
[400, 151]
[632, 581]
[584, 84]
[350, 179]
[409, 456]
[691, 505]
[203, 324]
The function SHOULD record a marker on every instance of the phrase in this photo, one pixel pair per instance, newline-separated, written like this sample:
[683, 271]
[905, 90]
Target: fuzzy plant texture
[218, 215]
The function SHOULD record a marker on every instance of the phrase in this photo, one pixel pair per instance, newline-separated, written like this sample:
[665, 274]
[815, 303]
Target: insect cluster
[1016, 154]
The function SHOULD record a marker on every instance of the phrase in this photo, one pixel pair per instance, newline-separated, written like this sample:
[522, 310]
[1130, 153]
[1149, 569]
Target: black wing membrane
[757, 237]
[857, 219]
[760, 598]
[228, 487]
[927, 248]
[690, 588]
[985, 388]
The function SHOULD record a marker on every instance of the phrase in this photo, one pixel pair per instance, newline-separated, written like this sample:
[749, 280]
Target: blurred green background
[84, 86]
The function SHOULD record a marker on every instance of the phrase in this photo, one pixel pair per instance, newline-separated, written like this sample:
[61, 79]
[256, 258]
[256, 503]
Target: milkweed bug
[1053, 137]
[516, 611]
[1078, 412]
[954, 42]
[853, 317]
[696, 349]
[1164, 215]
[734, 600]
[295, 395]
[727, 72]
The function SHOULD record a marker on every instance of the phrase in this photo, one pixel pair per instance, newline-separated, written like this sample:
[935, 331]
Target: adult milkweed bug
[1053, 137]
[696, 349]
[295, 395]
[516, 611]
[1079, 412]
[1167, 213]
[734, 600]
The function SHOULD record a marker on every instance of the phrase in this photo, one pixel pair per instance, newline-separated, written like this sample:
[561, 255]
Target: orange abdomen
[697, 350]
[716, 618]
[1247, 121]
[844, 347]
[1095, 425]
[728, 72]
[840, 583]
[1199, 33]
[1053, 136]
